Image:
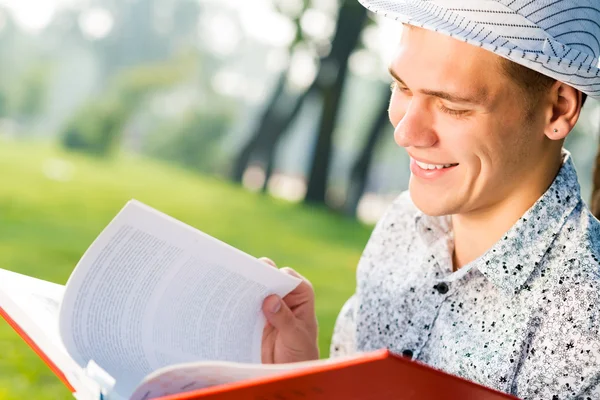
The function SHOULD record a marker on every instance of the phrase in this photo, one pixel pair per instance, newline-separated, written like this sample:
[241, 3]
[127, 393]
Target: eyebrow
[480, 99]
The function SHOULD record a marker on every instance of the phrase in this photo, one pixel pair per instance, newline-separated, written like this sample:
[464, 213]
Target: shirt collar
[508, 264]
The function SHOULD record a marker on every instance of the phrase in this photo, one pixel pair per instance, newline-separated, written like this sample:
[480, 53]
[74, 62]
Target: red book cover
[37, 350]
[373, 376]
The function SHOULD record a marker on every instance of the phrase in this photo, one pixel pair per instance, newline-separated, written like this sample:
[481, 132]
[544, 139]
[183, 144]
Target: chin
[429, 201]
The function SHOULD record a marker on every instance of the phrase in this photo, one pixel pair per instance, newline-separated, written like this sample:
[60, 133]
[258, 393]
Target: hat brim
[556, 61]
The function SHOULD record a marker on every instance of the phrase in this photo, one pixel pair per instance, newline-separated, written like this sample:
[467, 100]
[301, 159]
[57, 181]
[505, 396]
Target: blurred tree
[97, 127]
[277, 115]
[184, 20]
[133, 38]
[5, 31]
[3, 103]
[284, 106]
[194, 141]
[21, 50]
[33, 87]
[145, 31]
[361, 167]
[330, 79]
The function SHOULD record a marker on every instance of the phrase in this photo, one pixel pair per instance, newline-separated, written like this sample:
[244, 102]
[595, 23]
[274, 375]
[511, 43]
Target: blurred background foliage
[265, 93]
[262, 122]
[287, 97]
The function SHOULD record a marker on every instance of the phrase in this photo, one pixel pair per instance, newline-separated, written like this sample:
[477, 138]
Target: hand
[290, 334]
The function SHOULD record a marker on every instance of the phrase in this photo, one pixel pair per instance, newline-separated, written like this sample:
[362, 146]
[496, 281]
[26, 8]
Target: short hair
[532, 83]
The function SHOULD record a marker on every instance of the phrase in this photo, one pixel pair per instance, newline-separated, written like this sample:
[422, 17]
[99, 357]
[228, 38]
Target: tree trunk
[273, 140]
[360, 169]
[278, 115]
[242, 160]
[331, 78]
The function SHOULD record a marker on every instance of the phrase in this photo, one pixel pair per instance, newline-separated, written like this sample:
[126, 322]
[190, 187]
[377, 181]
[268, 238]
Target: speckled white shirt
[524, 318]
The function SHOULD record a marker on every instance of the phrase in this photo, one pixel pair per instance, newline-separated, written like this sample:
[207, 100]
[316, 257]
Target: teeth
[432, 166]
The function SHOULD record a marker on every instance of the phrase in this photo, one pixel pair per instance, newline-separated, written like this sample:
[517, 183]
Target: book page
[33, 304]
[152, 291]
[193, 376]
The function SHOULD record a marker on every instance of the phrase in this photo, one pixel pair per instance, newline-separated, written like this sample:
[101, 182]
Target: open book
[156, 308]
[150, 292]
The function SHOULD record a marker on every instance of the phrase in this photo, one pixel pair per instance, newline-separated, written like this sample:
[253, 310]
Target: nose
[415, 127]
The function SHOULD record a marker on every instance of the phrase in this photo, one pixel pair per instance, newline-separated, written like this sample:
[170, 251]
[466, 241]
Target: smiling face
[470, 133]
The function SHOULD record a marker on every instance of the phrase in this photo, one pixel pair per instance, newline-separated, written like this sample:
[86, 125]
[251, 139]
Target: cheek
[486, 152]
[467, 143]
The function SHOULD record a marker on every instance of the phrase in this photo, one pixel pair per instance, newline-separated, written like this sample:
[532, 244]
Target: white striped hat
[558, 38]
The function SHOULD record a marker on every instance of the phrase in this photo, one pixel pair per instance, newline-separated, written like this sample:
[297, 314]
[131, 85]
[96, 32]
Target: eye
[456, 113]
[395, 85]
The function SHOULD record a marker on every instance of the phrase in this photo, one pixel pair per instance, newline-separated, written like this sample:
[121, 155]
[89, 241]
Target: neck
[477, 231]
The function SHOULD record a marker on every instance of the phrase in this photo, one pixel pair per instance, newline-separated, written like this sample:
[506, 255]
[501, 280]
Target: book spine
[37, 350]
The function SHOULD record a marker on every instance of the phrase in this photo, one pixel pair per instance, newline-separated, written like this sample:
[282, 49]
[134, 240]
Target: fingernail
[276, 305]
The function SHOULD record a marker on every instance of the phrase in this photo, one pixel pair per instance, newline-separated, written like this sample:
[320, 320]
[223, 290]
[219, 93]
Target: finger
[279, 314]
[268, 261]
[290, 271]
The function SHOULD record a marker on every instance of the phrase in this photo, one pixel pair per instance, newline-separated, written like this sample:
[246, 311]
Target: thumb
[278, 314]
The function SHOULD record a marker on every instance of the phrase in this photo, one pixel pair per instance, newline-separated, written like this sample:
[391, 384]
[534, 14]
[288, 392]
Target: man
[487, 268]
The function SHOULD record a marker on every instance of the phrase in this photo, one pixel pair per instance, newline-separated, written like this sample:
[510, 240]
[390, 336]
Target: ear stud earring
[555, 130]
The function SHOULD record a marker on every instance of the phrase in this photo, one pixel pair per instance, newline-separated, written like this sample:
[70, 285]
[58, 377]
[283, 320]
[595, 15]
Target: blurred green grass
[47, 223]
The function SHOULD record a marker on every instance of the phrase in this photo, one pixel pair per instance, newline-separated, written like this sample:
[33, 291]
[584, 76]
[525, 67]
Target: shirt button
[442, 287]
[407, 353]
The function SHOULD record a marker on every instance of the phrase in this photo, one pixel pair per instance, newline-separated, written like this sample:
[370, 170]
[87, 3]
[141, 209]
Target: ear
[566, 103]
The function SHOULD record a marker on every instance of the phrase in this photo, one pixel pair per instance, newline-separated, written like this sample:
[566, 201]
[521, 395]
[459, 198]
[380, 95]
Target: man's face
[452, 107]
